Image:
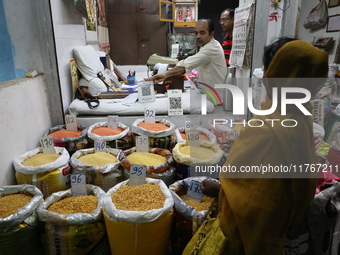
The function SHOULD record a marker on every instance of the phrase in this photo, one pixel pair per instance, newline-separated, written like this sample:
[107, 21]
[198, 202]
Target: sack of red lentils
[160, 128]
[19, 233]
[204, 134]
[101, 132]
[49, 172]
[71, 140]
[74, 225]
[100, 168]
[139, 218]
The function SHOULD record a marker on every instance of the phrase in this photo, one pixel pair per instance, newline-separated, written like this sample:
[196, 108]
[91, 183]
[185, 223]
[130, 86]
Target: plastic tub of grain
[188, 214]
[74, 225]
[159, 132]
[139, 218]
[71, 140]
[204, 135]
[119, 138]
[100, 168]
[194, 160]
[159, 163]
[19, 233]
[49, 172]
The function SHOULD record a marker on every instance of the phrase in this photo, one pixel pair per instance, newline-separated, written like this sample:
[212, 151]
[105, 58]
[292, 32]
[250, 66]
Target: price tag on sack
[189, 125]
[71, 122]
[142, 143]
[146, 92]
[137, 175]
[112, 121]
[194, 191]
[99, 146]
[47, 144]
[175, 102]
[78, 184]
[149, 116]
[193, 138]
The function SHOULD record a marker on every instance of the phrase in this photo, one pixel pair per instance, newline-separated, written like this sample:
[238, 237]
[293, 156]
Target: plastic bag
[317, 17]
[209, 239]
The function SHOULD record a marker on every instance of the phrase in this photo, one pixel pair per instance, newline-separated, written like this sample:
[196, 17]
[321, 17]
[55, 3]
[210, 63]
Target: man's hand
[210, 188]
[158, 78]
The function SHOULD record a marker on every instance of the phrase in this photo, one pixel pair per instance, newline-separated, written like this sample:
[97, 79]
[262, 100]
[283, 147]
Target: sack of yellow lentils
[120, 138]
[74, 225]
[100, 168]
[71, 140]
[139, 218]
[19, 233]
[188, 214]
[159, 163]
[49, 172]
[204, 134]
[203, 160]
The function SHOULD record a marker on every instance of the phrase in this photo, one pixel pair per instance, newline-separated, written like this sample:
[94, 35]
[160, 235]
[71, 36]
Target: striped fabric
[226, 45]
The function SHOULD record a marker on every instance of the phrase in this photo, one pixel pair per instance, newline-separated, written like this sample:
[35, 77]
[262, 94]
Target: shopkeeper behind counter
[209, 61]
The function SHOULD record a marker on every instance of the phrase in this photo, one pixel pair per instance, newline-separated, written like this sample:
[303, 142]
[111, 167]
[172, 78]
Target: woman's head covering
[298, 59]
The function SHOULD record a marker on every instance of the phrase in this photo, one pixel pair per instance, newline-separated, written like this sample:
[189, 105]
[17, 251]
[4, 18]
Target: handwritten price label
[99, 146]
[193, 138]
[47, 144]
[189, 125]
[142, 143]
[194, 192]
[149, 116]
[78, 184]
[71, 122]
[112, 121]
[137, 175]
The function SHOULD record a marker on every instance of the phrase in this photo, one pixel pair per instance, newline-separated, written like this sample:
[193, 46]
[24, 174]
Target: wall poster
[242, 36]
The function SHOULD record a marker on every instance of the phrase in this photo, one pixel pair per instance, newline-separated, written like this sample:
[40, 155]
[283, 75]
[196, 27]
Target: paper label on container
[142, 143]
[99, 146]
[78, 184]
[47, 144]
[112, 121]
[193, 138]
[189, 125]
[194, 191]
[137, 175]
[71, 122]
[149, 115]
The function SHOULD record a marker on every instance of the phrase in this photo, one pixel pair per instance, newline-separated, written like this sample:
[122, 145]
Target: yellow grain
[80, 204]
[98, 159]
[138, 198]
[12, 203]
[40, 159]
[204, 205]
[144, 158]
[197, 152]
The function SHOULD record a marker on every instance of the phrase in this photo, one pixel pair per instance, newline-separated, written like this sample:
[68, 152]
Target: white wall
[311, 35]
[69, 32]
[22, 27]
[24, 120]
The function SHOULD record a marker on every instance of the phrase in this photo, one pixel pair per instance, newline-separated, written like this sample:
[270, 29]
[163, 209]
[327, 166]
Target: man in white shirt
[209, 61]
